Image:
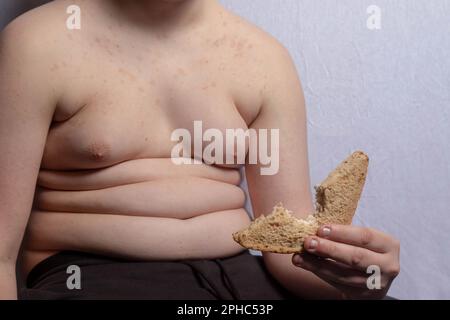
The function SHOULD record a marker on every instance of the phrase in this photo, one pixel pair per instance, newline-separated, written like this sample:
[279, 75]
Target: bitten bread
[336, 201]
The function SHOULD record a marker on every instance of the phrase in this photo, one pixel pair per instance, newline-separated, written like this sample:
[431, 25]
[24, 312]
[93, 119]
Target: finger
[353, 287]
[357, 236]
[331, 271]
[355, 257]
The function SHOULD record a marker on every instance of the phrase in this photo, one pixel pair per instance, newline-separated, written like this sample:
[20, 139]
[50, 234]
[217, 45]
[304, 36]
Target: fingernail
[312, 244]
[326, 231]
[297, 260]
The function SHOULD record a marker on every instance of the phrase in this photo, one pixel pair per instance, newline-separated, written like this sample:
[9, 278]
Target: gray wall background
[385, 92]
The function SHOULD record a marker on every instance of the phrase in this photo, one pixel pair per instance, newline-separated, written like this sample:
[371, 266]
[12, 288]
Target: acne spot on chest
[54, 68]
[106, 45]
[210, 85]
[127, 74]
[220, 42]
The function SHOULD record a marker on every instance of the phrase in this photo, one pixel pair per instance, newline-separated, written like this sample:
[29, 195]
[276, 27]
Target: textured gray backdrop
[383, 91]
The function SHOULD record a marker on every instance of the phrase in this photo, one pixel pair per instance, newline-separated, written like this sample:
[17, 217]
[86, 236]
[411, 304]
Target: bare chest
[116, 111]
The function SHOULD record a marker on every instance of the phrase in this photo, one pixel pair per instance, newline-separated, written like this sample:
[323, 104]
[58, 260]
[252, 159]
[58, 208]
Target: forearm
[300, 282]
[8, 285]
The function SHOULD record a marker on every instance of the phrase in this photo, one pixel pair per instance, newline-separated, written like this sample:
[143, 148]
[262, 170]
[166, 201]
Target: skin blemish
[203, 61]
[55, 67]
[128, 74]
[105, 44]
[241, 44]
[220, 42]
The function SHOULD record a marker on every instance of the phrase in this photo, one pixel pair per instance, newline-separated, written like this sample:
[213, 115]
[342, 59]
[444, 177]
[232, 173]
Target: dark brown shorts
[241, 277]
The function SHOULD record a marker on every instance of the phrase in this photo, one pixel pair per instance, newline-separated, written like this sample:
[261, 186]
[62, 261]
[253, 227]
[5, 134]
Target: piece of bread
[336, 201]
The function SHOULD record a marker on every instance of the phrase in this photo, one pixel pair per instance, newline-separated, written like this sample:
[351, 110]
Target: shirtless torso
[107, 183]
[89, 114]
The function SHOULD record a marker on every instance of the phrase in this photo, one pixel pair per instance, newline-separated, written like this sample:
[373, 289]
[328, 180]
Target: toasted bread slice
[336, 201]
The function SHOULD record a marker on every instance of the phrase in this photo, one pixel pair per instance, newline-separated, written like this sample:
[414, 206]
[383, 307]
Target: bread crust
[336, 202]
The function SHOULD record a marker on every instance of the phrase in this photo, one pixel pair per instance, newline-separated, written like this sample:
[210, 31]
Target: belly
[148, 209]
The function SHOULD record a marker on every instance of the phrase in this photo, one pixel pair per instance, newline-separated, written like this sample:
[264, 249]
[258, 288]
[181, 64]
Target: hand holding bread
[325, 243]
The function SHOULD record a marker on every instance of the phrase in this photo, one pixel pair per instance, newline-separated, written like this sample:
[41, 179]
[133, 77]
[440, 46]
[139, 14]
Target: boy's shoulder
[40, 30]
[265, 43]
